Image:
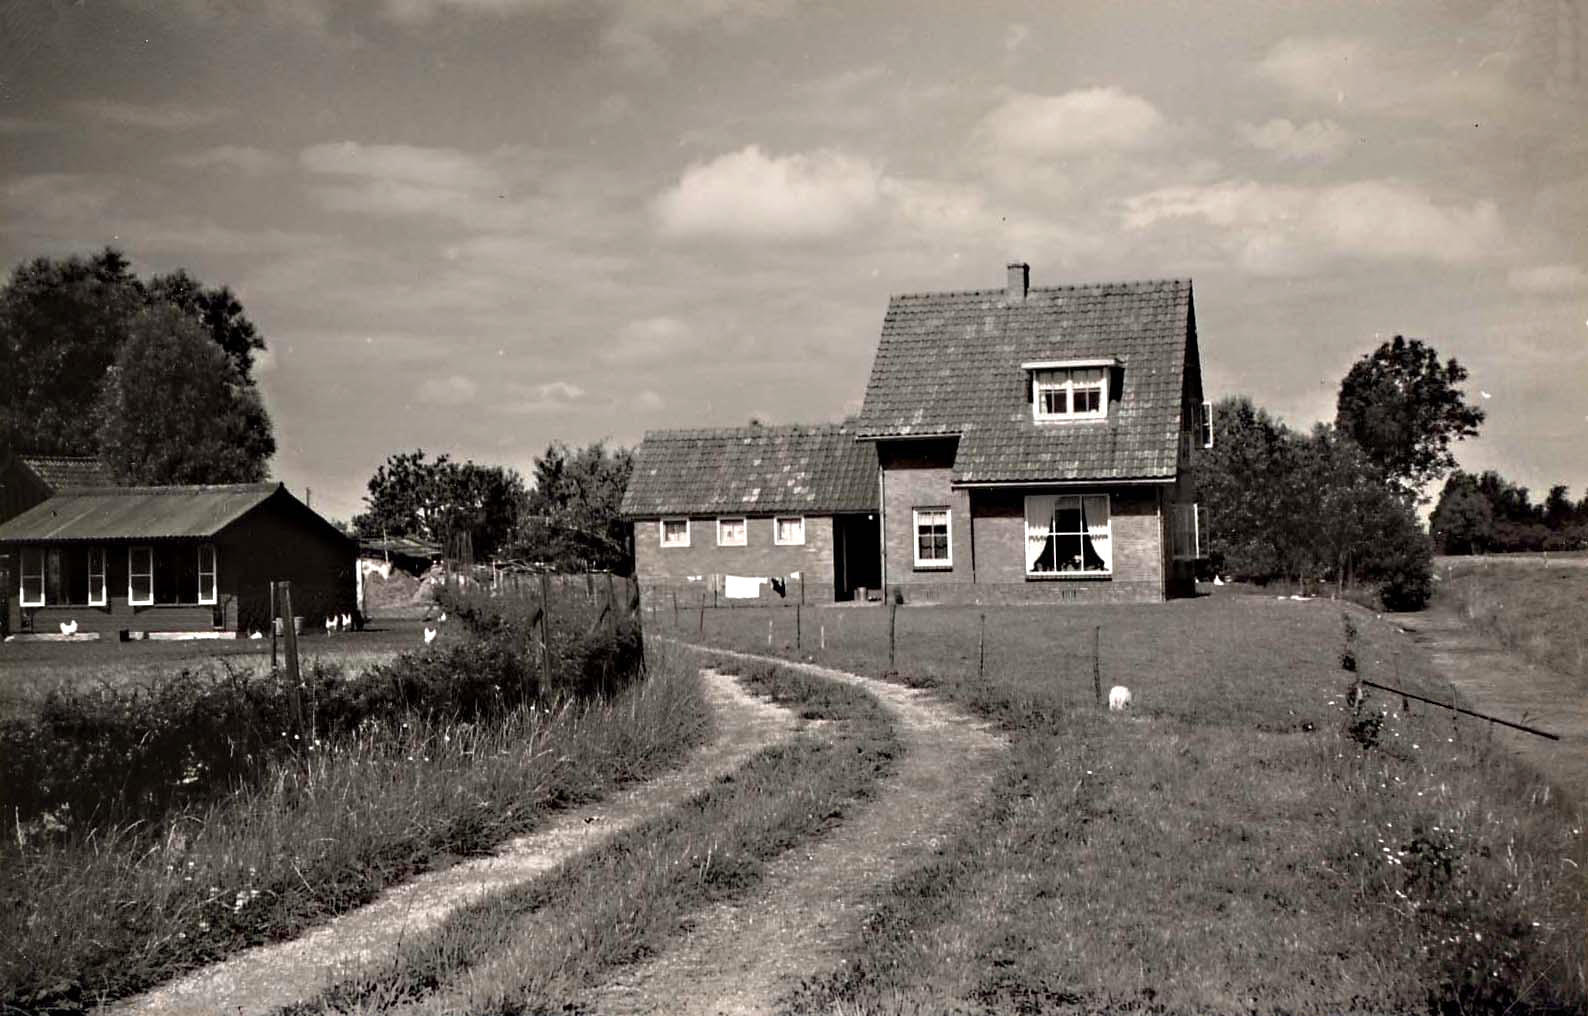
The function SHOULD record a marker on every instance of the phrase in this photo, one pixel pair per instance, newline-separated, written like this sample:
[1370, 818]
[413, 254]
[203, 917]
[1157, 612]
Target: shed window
[789, 532]
[675, 532]
[731, 533]
[32, 592]
[1069, 535]
[98, 590]
[934, 542]
[140, 576]
[1069, 393]
[206, 573]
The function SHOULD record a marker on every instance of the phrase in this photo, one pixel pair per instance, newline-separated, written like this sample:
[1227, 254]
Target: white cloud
[431, 167]
[408, 180]
[1548, 279]
[1274, 229]
[168, 117]
[1313, 140]
[1015, 38]
[1446, 83]
[750, 195]
[455, 390]
[648, 399]
[242, 158]
[1080, 122]
[650, 340]
[58, 196]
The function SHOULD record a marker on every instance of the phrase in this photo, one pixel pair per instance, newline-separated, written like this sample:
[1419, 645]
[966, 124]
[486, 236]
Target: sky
[480, 226]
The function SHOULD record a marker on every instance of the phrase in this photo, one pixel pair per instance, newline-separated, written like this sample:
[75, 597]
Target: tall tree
[174, 409]
[437, 500]
[1463, 520]
[218, 309]
[61, 326]
[1405, 408]
[572, 518]
[1246, 482]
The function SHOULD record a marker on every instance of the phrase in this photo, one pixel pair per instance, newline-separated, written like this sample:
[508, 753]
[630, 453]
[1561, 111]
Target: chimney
[1019, 280]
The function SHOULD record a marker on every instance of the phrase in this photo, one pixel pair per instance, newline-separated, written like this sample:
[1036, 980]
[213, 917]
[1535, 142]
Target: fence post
[612, 603]
[797, 609]
[675, 608]
[545, 634]
[893, 621]
[1097, 667]
[702, 613]
[769, 632]
[981, 647]
[273, 615]
[294, 681]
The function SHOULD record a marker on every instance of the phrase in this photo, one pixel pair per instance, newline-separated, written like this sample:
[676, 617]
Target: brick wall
[1000, 528]
[915, 474]
[663, 571]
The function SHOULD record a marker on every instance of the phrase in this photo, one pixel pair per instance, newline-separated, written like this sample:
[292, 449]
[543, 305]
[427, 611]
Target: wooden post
[702, 613]
[824, 637]
[1097, 666]
[589, 582]
[534, 625]
[545, 634]
[802, 586]
[797, 608]
[769, 631]
[612, 604]
[294, 680]
[893, 622]
[981, 647]
[675, 608]
[273, 615]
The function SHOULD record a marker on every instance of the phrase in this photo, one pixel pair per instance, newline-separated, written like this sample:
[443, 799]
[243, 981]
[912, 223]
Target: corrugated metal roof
[68, 472]
[950, 364]
[818, 469]
[136, 513]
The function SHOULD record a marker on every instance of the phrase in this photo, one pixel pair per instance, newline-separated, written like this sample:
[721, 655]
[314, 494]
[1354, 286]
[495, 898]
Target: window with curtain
[789, 531]
[731, 533]
[934, 546]
[1069, 534]
[675, 532]
[1069, 393]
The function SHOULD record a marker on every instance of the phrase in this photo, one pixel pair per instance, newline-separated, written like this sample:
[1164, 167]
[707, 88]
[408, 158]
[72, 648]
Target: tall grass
[321, 831]
[1539, 612]
[1228, 847]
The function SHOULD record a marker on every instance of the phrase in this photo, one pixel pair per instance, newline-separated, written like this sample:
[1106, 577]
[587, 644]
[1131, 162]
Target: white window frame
[213, 573]
[132, 574]
[744, 531]
[1079, 507]
[944, 563]
[1190, 529]
[661, 528]
[1061, 379]
[777, 530]
[98, 579]
[24, 575]
[1205, 424]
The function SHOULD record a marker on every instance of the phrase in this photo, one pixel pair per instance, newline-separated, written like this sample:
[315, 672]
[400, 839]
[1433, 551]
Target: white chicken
[430, 635]
[69, 627]
[346, 621]
[1119, 698]
[257, 635]
[330, 624]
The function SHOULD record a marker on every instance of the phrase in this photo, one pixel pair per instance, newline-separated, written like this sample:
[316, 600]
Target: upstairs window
[1069, 391]
[731, 533]
[675, 532]
[1205, 424]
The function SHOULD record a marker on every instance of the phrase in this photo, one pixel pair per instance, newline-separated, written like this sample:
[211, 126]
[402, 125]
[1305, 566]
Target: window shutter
[1207, 425]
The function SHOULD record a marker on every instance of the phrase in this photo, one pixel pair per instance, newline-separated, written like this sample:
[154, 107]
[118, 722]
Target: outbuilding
[156, 560]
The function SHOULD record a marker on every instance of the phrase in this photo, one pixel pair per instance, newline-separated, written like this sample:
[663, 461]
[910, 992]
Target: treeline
[1489, 514]
[1338, 504]
[566, 519]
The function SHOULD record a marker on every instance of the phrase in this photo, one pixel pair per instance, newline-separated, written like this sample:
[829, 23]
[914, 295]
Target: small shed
[173, 559]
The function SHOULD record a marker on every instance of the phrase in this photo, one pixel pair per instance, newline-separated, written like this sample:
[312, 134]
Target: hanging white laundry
[743, 587]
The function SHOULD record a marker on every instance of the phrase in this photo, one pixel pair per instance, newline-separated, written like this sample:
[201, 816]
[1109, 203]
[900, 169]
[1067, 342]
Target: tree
[61, 326]
[174, 409]
[218, 310]
[438, 500]
[1244, 481]
[1463, 520]
[572, 518]
[1404, 408]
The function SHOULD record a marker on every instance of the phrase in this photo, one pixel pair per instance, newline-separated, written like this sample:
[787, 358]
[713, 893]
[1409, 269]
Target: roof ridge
[1116, 284]
[175, 488]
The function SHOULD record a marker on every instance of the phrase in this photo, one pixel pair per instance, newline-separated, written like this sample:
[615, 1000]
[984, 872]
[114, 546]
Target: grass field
[1230, 846]
[1540, 612]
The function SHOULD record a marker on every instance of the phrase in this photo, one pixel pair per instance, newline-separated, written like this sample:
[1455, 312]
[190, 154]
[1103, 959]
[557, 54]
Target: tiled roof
[64, 472]
[136, 513]
[949, 363]
[811, 469]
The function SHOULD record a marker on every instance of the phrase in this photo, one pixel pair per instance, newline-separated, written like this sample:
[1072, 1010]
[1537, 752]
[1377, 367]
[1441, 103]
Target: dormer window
[1069, 389]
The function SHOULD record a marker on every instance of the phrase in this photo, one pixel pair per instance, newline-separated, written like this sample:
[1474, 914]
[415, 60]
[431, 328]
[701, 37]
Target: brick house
[719, 513]
[1034, 443]
[172, 559]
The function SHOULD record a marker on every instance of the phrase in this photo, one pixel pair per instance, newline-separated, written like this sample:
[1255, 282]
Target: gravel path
[269, 977]
[1500, 683]
[742, 957]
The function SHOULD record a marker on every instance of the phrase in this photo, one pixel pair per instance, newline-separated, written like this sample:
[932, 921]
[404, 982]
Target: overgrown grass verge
[1536, 611]
[1244, 841]
[321, 832]
[536, 948]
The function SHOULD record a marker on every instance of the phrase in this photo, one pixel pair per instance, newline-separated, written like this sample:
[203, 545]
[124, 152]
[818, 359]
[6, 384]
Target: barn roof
[68, 472]
[817, 470]
[137, 513]
[949, 364]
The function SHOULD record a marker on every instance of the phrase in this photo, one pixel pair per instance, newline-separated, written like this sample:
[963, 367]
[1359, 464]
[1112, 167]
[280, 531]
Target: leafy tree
[61, 326]
[1463, 520]
[1244, 480]
[1559, 512]
[572, 519]
[174, 409]
[436, 500]
[218, 310]
[1405, 408]
[1509, 502]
